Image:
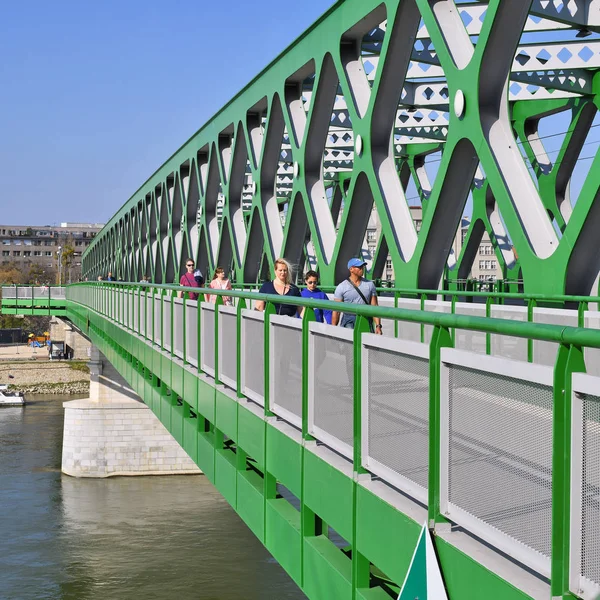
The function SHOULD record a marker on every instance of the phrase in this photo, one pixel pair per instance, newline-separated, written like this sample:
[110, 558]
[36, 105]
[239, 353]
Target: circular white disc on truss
[459, 104]
[358, 145]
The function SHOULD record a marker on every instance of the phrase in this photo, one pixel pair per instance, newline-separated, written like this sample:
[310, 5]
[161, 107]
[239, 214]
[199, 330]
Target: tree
[38, 275]
[10, 273]
[66, 258]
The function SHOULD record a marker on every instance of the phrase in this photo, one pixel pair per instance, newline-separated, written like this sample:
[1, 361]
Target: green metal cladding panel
[251, 435]
[226, 414]
[226, 475]
[284, 460]
[327, 572]
[283, 536]
[332, 498]
[250, 503]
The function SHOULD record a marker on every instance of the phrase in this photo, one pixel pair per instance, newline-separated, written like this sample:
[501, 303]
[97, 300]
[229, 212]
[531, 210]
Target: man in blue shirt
[312, 291]
[357, 290]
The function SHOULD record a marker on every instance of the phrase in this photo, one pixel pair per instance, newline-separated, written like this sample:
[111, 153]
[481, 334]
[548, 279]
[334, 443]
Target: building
[485, 267]
[38, 249]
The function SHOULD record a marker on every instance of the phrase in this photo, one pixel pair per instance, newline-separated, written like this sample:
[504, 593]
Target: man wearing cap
[356, 290]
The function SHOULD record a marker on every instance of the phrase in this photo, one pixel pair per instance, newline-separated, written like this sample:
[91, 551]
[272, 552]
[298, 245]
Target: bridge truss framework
[376, 101]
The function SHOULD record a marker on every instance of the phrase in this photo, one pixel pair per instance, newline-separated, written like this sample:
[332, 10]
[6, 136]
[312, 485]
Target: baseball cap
[356, 262]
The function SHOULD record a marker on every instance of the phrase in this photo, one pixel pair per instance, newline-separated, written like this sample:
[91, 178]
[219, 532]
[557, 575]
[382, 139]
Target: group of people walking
[355, 290]
[194, 278]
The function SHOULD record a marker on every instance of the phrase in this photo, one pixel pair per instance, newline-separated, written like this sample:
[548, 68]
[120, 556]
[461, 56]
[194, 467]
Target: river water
[124, 538]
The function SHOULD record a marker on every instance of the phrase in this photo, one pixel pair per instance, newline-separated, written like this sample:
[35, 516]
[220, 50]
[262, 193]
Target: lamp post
[59, 254]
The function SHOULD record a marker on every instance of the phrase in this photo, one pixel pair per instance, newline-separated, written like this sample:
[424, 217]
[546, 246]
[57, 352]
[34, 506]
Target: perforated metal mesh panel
[178, 328]
[397, 403]
[592, 355]
[544, 353]
[116, 304]
[473, 341]
[135, 310]
[167, 310]
[333, 386]
[148, 331]
[157, 313]
[590, 492]
[141, 301]
[228, 349]
[191, 338]
[409, 331]
[500, 454]
[504, 345]
[253, 359]
[207, 331]
[286, 372]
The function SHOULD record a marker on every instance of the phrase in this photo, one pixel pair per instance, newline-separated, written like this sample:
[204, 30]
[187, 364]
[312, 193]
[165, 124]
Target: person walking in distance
[356, 290]
[220, 282]
[188, 280]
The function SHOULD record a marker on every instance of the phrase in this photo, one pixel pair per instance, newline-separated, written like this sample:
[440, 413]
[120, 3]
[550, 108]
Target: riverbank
[45, 376]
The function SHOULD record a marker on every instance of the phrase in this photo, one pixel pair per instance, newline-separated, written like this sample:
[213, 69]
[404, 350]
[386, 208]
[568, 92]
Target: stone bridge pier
[114, 433]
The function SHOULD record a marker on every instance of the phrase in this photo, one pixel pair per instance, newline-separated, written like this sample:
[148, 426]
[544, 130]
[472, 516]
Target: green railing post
[269, 310]
[440, 338]
[241, 305]
[218, 303]
[569, 360]
[171, 298]
[361, 326]
[488, 313]
[531, 304]
[307, 319]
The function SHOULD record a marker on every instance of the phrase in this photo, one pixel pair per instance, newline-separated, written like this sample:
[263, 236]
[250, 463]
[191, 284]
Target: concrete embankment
[32, 375]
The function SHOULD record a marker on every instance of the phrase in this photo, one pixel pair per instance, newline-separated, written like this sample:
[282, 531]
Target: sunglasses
[311, 282]
[190, 265]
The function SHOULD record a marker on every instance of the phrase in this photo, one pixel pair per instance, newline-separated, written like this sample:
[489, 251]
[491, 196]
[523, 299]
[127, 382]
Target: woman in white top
[219, 282]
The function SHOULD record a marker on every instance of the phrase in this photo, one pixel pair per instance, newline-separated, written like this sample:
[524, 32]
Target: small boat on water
[10, 398]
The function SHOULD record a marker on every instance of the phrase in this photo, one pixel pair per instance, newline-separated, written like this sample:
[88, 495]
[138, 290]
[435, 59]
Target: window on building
[27, 253]
[5, 252]
[16, 253]
[78, 243]
[48, 243]
[48, 253]
[37, 253]
[371, 236]
[28, 242]
[18, 242]
[481, 250]
[481, 265]
[6, 242]
[493, 264]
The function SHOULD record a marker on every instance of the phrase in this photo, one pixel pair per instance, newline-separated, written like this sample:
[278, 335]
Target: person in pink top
[219, 282]
[188, 280]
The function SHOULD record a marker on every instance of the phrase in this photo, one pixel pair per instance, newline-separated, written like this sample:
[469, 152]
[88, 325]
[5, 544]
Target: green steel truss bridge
[336, 446]
[480, 419]
[387, 104]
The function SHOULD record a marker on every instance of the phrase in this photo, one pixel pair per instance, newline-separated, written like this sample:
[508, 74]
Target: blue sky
[96, 95]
